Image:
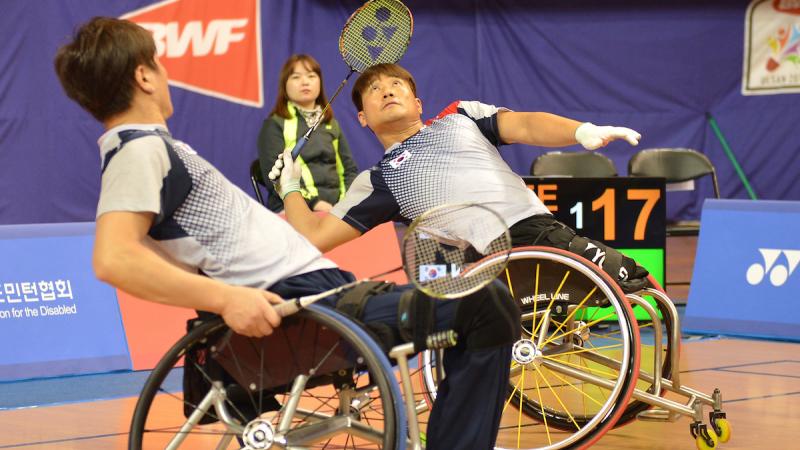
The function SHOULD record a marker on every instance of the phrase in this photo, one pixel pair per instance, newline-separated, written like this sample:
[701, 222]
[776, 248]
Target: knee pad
[488, 318]
[352, 304]
[415, 317]
[619, 266]
[352, 301]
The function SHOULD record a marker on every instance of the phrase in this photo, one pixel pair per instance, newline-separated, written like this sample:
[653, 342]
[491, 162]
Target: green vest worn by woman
[309, 190]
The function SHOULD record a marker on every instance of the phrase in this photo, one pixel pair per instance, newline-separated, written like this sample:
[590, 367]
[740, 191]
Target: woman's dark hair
[281, 103]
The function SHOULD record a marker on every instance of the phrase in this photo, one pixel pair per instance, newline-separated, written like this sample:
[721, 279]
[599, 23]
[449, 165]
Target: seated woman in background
[326, 161]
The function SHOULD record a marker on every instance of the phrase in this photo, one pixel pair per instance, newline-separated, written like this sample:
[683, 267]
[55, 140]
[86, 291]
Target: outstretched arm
[125, 257]
[549, 130]
[326, 231]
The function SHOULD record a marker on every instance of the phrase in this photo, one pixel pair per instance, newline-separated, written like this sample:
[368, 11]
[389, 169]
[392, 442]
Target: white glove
[592, 137]
[285, 174]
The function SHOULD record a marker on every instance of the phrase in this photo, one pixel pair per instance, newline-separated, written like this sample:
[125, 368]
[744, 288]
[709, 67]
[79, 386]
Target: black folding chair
[676, 165]
[258, 182]
[573, 164]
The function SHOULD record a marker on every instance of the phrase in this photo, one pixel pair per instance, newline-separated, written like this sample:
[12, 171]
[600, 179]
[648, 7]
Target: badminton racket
[377, 32]
[448, 252]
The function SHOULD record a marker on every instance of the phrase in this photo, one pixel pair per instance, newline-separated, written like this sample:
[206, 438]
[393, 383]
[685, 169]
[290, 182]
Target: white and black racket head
[454, 250]
[377, 32]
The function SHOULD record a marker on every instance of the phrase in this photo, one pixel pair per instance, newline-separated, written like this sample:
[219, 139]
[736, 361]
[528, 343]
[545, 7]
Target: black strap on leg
[542, 229]
[612, 261]
[352, 304]
[353, 300]
[416, 317]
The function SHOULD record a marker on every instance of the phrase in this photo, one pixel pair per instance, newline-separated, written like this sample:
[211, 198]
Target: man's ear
[362, 119]
[142, 75]
[419, 105]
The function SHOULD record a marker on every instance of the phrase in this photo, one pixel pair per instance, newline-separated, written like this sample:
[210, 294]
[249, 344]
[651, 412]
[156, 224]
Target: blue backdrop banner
[56, 318]
[658, 67]
[745, 278]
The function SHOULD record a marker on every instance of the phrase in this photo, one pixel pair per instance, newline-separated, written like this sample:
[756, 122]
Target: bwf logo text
[208, 46]
[778, 272]
[218, 36]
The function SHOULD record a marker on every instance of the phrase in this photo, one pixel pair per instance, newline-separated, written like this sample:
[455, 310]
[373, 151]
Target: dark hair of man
[281, 102]
[97, 68]
[373, 73]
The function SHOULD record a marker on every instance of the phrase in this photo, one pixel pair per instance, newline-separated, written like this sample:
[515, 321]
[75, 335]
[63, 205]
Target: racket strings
[454, 250]
[377, 33]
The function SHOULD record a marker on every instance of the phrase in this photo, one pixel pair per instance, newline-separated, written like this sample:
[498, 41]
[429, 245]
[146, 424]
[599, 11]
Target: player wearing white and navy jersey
[171, 229]
[453, 159]
[201, 220]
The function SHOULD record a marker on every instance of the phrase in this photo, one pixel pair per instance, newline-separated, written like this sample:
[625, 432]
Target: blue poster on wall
[56, 318]
[745, 278]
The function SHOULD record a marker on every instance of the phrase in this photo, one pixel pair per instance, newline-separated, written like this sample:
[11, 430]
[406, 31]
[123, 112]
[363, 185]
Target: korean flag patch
[395, 163]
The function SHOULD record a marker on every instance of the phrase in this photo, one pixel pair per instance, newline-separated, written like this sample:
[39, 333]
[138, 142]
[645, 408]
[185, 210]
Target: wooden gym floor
[759, 380]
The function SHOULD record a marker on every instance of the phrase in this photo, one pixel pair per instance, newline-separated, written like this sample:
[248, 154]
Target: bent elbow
[108, 265]
[318, 244]
[103, 268]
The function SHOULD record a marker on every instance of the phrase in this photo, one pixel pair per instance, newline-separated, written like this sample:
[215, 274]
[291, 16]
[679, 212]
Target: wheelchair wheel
[572, 369]
[646, 350]
[430, 374]
[319, 381]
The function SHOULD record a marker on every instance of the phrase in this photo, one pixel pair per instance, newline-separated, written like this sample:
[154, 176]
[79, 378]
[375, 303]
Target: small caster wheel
[722, 428]
[706, 439]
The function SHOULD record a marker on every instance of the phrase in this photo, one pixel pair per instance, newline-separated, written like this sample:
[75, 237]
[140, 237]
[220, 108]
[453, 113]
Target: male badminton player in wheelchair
[453, 158]
[171, 229]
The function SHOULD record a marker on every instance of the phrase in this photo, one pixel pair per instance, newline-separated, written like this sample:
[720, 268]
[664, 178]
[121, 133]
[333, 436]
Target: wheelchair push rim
[556, 398]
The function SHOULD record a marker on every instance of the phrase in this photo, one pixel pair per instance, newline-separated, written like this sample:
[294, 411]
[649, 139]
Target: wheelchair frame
[660, 408]
[266, 429]
[535, 352]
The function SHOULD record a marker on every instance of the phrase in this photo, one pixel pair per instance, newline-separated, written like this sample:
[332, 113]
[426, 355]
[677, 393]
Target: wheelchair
[319, 381]
[590, 358]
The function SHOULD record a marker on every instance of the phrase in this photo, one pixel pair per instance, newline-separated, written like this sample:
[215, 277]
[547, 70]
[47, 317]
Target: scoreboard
[627, 213]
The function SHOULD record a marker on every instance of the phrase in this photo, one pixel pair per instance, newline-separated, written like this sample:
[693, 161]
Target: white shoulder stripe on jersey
[359, 190]
[478, 110]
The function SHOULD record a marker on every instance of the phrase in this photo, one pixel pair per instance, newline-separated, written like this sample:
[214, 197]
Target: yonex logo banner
[771, 268]
[772, 47]
[209, 46]
[745, 278]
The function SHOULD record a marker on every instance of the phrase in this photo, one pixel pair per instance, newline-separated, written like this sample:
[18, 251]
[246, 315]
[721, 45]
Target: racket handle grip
[441, 339]
[299, 146]
[288, 308]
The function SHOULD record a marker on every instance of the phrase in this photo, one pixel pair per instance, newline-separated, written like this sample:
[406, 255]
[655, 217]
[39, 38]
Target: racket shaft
[338, 90]
[291, 306]
[302, 142]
